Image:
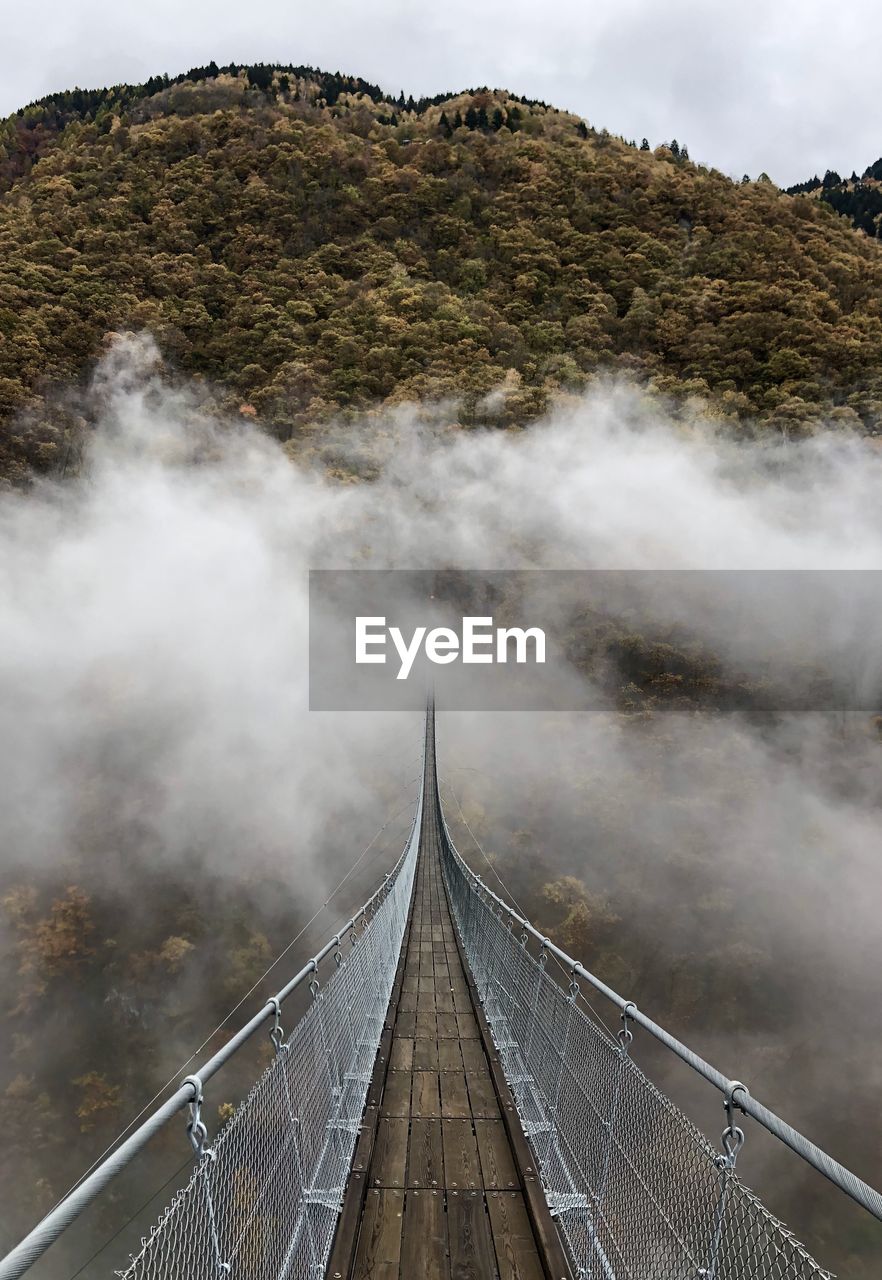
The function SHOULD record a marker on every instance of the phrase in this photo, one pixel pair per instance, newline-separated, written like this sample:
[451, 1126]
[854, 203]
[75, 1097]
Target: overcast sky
[786, 86]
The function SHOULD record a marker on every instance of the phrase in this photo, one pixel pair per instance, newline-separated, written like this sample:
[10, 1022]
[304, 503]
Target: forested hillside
[857, 198]
[311, 249]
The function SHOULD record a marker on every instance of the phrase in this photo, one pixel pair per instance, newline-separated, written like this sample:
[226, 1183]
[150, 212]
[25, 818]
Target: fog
[154, 713]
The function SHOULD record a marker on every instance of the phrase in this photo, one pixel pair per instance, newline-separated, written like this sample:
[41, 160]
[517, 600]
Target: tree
[260, 76]
[471, 118]
[583, 129]
[644, 145]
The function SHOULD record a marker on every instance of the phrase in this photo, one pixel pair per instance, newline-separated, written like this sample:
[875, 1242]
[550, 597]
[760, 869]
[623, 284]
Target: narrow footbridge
[447, 1108]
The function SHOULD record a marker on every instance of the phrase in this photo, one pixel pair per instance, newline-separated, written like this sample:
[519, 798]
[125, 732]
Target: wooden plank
[447, 1025]
[497, 1161]
[444, 1002]
[462, 1165]
[472, 1256]
[408, 1002]
[396, 1095]
[513, 1239]
[462, 1002]
[425, 1154]
[401, 1058]
[389, 1162]
[426, 1100]
[426, 1024]
[473, 1055]
[482, 1094]
[425, 1002]
[425, 1057]
[424, 1244]
[467, 1026]
[454, 1094]
[406, 1024]
[379, 1242]
[449, 1055]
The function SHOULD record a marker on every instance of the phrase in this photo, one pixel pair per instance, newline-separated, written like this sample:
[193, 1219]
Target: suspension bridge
[448, 1108]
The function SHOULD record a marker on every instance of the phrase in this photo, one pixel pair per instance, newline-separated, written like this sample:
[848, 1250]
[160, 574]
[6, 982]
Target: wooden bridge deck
[442, 1187]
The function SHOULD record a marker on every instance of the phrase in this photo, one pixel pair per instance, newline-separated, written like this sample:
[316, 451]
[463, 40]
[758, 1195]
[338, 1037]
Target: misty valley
[262, 321]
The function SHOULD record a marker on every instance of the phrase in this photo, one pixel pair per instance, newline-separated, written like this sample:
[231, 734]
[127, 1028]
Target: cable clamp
[733, 1136]
[626, 1035]
[276, 1034]
[196, 1130]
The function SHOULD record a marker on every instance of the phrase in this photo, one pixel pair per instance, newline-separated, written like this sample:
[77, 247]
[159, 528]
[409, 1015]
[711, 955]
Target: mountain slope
[312, 249]
[858, 199]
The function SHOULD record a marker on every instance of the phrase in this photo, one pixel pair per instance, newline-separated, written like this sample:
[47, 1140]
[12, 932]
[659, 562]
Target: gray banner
[563, 640]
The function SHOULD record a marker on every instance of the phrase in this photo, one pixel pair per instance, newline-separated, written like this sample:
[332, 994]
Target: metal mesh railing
[636, 1188]
[264, 1199]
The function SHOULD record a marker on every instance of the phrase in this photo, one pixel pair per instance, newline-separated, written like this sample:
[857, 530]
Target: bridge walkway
[443, 1194]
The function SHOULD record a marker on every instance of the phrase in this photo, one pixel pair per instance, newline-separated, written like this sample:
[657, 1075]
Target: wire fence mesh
[264, 1199]
[635, 1187]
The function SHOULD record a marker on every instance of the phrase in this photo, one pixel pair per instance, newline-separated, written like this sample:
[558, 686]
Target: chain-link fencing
[637, 1190]
[264, 1198]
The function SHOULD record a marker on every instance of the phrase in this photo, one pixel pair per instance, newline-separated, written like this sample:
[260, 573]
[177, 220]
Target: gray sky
[786, 86]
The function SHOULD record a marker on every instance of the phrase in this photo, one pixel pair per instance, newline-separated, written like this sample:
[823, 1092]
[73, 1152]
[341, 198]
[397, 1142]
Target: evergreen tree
[260, 76]
[583, 129]
[471, 118]
[483, 122]
[498, 120]
[644, 145]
